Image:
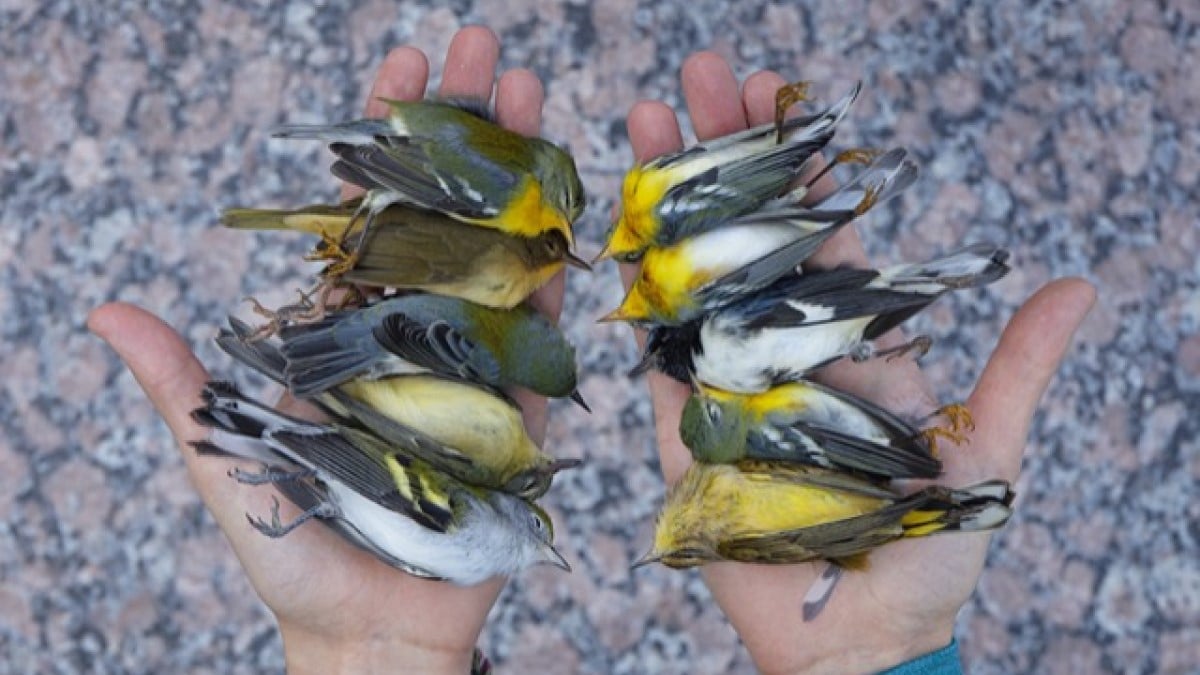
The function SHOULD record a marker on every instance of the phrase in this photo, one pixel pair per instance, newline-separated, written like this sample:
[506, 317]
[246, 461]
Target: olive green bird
[811, 424]
[450, 156]
[420, 250]
[472, 433]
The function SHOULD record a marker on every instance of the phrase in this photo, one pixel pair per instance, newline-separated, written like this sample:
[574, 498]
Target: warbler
[805, 321]
[685, 193]
[784, 513]
[423, 333]
[451, 157]
[421, 250]
[470, 432]
[376, 494]
[680, 282]
[808, 423]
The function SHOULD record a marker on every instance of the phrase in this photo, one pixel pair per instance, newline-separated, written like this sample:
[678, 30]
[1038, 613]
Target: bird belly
[752, 362]
[403, 538]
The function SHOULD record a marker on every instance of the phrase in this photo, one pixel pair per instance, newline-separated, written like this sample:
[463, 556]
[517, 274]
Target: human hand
[905, 605]
[338, 607]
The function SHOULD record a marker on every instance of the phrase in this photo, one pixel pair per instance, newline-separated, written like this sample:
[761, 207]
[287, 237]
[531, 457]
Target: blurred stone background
[1066, 129]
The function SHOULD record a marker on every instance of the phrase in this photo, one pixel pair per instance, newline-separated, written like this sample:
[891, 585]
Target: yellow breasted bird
[689, 192]
[470, 432]
[451, 157]
[680, 282]
[418, 249]
[783, 513]
[808, 423]
[376, 494]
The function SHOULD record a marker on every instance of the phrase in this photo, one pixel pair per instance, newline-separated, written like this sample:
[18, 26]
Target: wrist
[308, 653]
[882, 658]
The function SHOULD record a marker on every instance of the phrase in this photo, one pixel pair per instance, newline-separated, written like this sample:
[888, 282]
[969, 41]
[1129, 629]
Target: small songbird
[699, 274]
[811, 424]
[376, 494]
[451, 157]
[685, 193]
[417, 249]
[805, 321]
[423, 333]
[784, 513]
[472, 433]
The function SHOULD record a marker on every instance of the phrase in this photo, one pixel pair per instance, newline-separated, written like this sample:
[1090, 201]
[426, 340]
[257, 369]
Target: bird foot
[276, 529]
[918, 346]
[785, 97]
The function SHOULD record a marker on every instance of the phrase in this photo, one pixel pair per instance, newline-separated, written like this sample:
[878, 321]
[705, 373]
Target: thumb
[1029, 353]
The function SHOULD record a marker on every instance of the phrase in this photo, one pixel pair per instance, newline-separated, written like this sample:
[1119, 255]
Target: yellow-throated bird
[418, 249]
[423, 333]
[783, 513]
[682, 194]
[805, 321]
[808, 423]
[682, 281]
[376, 494]
[472, 433]
[451, 157]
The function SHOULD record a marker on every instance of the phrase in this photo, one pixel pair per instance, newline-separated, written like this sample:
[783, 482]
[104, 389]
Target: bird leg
[851, 156]
[785, 97]
[304, 311]
[920, 345]
[276, 528]
[958, 414]
[269, 474]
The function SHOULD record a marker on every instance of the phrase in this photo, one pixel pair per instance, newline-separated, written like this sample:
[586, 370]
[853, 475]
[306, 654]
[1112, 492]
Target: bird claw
[785, 97]
[959, 416]
[276, 529]
[919, 346]
[932, 434]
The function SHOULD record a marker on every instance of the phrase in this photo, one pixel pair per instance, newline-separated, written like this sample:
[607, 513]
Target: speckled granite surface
[1068, 130]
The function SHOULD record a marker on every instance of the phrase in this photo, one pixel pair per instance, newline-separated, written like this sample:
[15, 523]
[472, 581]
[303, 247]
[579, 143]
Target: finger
[159, 359]
[402, 76]
[519, 97]
[711, 92]
[758, 96]
[549, 301]
[1029, 353]
[172, 378]
[653, 130]
[470, 64]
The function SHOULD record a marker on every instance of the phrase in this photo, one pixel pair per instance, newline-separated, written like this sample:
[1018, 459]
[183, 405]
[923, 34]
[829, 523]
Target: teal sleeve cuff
[942, 662]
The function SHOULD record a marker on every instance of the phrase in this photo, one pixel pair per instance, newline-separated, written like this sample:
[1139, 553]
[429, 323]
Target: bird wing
[307, 495]
[423, 251]
[371, 468]
[438, 346]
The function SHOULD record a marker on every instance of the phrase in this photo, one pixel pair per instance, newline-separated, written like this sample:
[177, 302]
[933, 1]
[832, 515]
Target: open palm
[338, 607]
[905, 605]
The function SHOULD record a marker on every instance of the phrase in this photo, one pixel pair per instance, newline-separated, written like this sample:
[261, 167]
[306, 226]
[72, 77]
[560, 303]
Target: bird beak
[650, 557]
[617, 314]
[575, 261]
[578, 399]
[550, 555]
[603, 255]
[564, 464]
